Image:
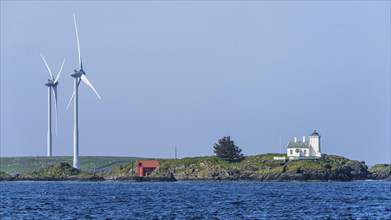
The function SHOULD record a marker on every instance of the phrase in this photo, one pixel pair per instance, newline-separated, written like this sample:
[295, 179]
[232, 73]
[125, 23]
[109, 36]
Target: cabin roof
[149, 163]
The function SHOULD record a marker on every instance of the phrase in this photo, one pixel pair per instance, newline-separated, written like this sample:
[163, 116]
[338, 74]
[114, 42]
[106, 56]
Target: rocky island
[265, 168]
[58, 172]
[211, 168]
[380, 172]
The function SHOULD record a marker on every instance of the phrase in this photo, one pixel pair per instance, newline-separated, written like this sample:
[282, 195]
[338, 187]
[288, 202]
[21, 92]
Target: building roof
[315, 133]
[298, 144]
[149, 163]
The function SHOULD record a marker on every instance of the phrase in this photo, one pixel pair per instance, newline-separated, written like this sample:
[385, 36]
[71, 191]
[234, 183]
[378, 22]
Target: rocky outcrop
[5, 177]
[77, 178]
[58, 172]
[380, 172]
[343, 173]
[170, 178]
[85, 178]
[264, 168]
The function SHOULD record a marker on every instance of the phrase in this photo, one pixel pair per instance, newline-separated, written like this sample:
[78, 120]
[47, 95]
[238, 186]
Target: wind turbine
[79, 76]
[52, 87]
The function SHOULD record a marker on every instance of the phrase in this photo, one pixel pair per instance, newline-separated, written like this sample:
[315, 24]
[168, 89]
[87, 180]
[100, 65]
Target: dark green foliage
[227, 150]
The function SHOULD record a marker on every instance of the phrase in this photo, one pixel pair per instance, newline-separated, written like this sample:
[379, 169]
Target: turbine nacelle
[77, 74]
[51, 83]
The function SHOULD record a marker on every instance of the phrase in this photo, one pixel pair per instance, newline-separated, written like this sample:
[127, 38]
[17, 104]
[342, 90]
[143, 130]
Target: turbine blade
[59, 72]
[54, 89]
[50, 72]
[77, 38]
[73, 94]
[70, 101]
[86, 81]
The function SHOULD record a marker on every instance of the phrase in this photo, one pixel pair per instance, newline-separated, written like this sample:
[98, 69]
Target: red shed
[146, 167]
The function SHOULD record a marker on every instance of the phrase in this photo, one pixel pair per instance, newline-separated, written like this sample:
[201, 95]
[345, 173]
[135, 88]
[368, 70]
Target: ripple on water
[195, 200]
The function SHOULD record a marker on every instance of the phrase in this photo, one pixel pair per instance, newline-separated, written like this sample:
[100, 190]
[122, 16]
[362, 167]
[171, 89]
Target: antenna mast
[280, 144]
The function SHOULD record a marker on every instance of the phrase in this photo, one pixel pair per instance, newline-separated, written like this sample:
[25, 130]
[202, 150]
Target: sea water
[195, 200]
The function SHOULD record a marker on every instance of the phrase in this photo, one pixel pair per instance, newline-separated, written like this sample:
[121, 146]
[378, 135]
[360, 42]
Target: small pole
[132, 168]
[176, 152]
[280, 144]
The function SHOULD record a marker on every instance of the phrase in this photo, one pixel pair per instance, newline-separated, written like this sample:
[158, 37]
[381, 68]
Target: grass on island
[380, 168]
[263, 163]
[203, 164]
[257, 160]
[87, 163]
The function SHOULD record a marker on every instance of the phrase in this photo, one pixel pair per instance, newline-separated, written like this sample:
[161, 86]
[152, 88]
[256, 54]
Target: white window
[305, 151]
[291, 151]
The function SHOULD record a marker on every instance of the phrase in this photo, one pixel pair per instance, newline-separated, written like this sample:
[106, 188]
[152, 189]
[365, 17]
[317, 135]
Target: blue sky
[189, 73]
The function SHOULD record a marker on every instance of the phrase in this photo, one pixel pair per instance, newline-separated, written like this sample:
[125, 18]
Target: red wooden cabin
[146, 167]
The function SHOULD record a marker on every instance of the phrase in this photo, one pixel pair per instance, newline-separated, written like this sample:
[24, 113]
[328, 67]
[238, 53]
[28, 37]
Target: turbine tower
[52, 87]
[79, 76]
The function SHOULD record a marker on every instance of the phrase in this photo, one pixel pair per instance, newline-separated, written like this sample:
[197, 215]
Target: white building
[304, 149]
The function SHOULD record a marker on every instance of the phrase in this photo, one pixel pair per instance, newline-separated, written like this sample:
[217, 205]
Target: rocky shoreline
[90, 179]
[45, 178]
[279, 177]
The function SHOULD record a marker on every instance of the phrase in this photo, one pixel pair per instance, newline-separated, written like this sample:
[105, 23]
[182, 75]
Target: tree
[227, 150]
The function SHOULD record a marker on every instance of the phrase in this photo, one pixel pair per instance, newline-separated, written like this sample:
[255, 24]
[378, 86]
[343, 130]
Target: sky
[187, 73]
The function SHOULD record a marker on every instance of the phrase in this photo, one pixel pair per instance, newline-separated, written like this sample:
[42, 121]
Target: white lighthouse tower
[315, 144]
